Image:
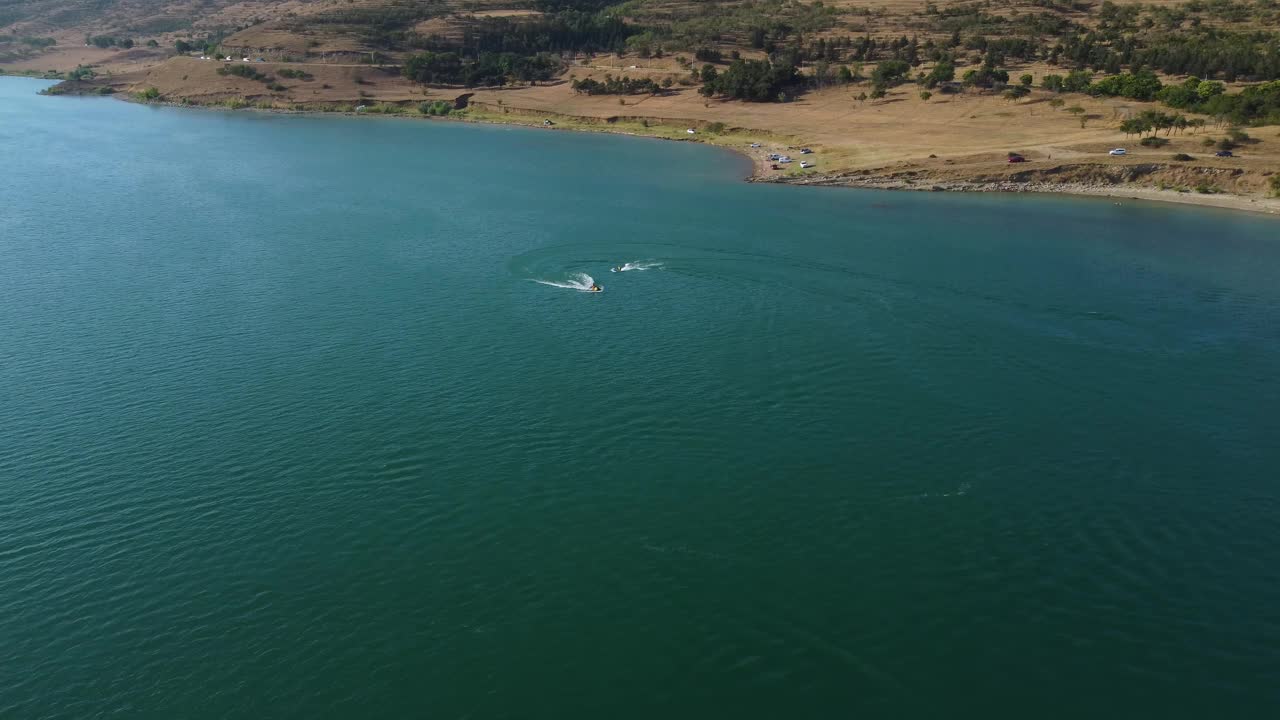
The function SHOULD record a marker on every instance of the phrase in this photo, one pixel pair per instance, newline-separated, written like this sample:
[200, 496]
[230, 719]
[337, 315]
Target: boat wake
[637, 265]
[581, 282]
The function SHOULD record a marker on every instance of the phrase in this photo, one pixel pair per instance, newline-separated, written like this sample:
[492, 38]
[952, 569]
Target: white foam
[638, 265]
[581, 282]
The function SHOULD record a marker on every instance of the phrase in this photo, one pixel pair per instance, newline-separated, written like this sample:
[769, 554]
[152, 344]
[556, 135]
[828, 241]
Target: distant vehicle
[784, 159]
[805, 164]
[755, 145]
[1016, 159]
[1119, 151]
[691, 131]
[547, 123]
[806, 151]
[775, 156]
[1223, 153]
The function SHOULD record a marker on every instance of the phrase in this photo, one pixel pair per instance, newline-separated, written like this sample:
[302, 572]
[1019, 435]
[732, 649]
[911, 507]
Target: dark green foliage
[1077, 81]
[986, 76]
[183, 47]
[244, 71]
[890, 72]
[706, 54]
[1182, 157]
[1153, 141]
[294, 74]
[752, 80]
[616, 86]
[1256, 104]
[944, 71]
[436, 109]
[448, 68]
[1135, 86]
[149, 94]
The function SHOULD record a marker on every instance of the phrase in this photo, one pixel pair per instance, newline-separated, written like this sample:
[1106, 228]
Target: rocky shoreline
[1268, 206]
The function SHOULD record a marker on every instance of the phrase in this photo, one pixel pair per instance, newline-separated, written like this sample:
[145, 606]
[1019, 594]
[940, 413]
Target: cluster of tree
[1074, 81]
[750, 80]
[1153, 121]
[1142, 85]
[707, 54]
[618, 86]
[244, 71]
[35, 42]
[1256, 105]
[81, 73]
[449, 68]
[565, 31]
[107, 41]
[1205, 52]
[987, 75]
[436, 108]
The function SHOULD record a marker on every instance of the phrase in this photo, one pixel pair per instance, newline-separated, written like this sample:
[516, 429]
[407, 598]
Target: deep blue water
[296, 420]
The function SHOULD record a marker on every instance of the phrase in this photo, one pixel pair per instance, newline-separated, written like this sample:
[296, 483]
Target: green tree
[1026, 80]
[1056, 103]
[925, 95]
[844, 75]
[890, 72]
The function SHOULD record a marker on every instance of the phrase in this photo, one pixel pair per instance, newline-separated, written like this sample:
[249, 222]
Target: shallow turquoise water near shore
[289, 427]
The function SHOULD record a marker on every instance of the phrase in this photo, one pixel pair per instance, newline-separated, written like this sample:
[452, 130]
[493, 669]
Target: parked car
[1016, 159]
[1224, 153]
[1119, 151]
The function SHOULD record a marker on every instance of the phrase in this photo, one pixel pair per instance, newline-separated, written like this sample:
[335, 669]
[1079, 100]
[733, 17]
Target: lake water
[307, 417]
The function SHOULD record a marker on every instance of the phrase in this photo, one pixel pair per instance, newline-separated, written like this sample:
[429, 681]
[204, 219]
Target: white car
[1119, 151]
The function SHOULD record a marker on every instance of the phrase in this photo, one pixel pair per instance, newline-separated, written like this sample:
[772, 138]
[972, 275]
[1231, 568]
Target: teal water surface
[308, 417]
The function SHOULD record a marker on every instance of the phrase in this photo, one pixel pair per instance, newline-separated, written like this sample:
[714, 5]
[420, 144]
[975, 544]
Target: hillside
[901, 93]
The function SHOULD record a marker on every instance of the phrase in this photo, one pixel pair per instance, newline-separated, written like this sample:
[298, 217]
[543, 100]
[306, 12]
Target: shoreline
[737, 140]
[1223, 201]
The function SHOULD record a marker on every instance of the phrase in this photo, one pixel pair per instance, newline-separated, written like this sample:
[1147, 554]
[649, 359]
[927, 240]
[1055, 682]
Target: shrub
[149, 94]
[435, 109]
[716, 128]
[1182, 157]
[1275, 185]
[1153, 141]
